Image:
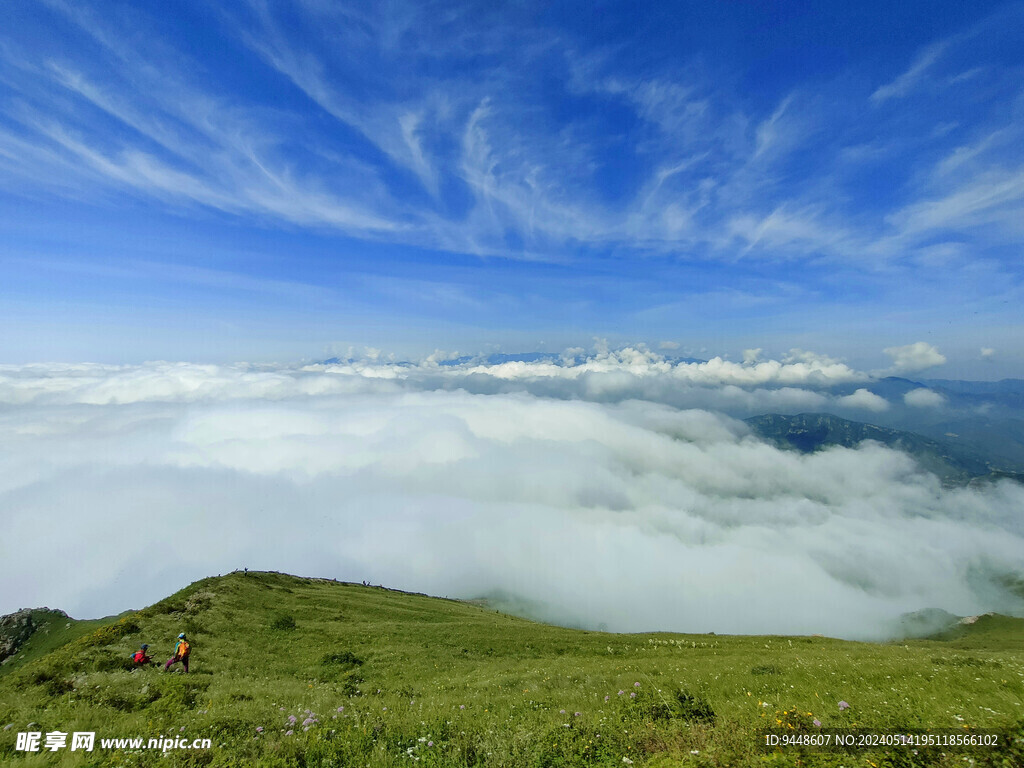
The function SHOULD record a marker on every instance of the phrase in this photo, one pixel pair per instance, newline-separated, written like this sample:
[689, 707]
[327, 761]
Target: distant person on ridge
[181, 652]
[140, 657]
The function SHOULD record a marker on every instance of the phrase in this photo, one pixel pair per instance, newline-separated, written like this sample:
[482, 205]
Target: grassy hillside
[50, 630]
[288, 671]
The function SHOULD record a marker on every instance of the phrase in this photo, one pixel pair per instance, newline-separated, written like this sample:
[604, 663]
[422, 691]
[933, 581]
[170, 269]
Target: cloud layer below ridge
[599, 506]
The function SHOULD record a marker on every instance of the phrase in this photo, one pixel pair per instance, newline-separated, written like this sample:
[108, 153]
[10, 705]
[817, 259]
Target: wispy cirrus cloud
[912, 77]
[993, 197]
[146, 127]
[493, 133]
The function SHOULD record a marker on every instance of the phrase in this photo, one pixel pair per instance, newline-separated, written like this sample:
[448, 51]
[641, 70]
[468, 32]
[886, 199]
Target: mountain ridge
[298, 671]
[810, 432]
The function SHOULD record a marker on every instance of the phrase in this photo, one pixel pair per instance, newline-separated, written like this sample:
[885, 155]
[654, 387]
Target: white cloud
[990, 199]
[924, 398]
[630, 372]
[914, 357]
[708, 173]
[912, 77]
[799, 230]
[668, 345]
[987, 353]
[632, 514]
[740, 389]
[799, 368]
[864, 399]
[775, 131]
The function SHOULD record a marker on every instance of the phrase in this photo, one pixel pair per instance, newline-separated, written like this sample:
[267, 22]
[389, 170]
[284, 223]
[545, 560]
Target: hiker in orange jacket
[181, 652]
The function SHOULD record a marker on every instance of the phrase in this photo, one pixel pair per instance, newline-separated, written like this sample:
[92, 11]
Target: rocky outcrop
[16, 628]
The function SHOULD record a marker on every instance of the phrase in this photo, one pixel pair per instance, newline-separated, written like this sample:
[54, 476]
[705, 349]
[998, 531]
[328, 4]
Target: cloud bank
[914, 357]
[923, 398]
[864, 399]
[118, 485]
[605, 375]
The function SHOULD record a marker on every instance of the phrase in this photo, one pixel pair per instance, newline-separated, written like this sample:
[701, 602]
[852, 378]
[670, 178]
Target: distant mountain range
[976, 430]
[953, 463]
[1007, 393]
[499, 358]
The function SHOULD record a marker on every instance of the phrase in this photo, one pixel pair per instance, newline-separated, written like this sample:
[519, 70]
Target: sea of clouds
[614, 490]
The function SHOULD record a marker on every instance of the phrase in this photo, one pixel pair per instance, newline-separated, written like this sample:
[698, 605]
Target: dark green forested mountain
[807, 432]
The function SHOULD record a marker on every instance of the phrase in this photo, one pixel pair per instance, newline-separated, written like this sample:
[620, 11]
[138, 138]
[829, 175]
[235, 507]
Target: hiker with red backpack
[181, 652]
[140, 657]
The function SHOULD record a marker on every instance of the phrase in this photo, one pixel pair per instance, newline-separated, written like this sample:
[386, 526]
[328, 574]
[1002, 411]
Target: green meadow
[288, 671]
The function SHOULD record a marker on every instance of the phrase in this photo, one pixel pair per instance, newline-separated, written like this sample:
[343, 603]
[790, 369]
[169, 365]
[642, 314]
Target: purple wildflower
[607, 697]
[561, 711]
[817, 723]
[843, 705]
[259, 729]
[341, 709]
[621, 692]
[292, 719]
[430, 743]
[632, 695]
[462, 706]
[289, 732]
[578, 714]
[636, 685]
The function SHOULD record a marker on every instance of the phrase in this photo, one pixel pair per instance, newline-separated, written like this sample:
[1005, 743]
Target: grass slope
[305, 672]
[52, 630]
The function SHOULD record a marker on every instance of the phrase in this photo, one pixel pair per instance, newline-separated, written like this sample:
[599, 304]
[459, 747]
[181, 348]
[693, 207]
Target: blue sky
[283, 180]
